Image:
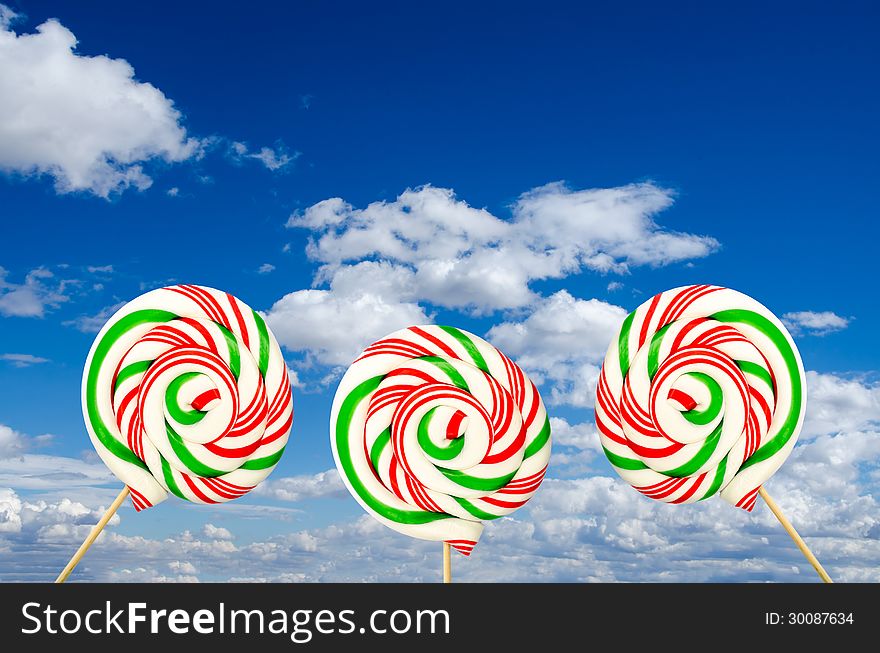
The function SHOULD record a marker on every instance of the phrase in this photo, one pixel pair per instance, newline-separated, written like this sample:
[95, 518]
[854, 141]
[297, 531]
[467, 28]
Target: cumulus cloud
[26, 471]
[7, 17]
[335, 327]
[590, 527]
[23, 360]
[265, 268]
[815, 323]
[217, 532]
[451, 254]
[13, 443]
[586, 529]
[32, 298]
[563, 342]
[272, 158]
[578, 436]
[836, 404]
[392, 263]
[87, 122]
[93, 323]
[306, 486]
[10, 504]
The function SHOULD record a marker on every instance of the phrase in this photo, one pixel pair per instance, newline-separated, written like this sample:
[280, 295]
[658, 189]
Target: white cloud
[389, 264]
[85, 121]
[592, 528]
[836, 404]
[272, 159]
[217, 533]
[815, 323]
[294, 378]
[614, 286]
[14, 443]
[174, 191]
[451, 254]
[93, 323]
[10, 503]
[26, 471]
[104, 269]
[11, 442]
[265, 268]
[579, 436]
[47, 521]
[183, 567]
[23, 360]
[606, 228]
[33, 297]
[307, 486]
[335, 327]
[562, 343]
[7, 17]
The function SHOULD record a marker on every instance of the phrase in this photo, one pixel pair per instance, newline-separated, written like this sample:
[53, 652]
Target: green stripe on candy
[716, 482]
[475, 482]
[99, 360]
[263, 463]
[469, 346]
[623, 343]
[705, 452]
[754, 369]
[341, 437]
[448, 452]
[263, 362]
[177, 412]
[716, 401]
[170, 482]
[444, 366]
[765, 326]
[129, 371]
[624, 463]
[476, 512]
[654, 351]
[379, 446]
[234, 353]
[189, 461]
[539, 442]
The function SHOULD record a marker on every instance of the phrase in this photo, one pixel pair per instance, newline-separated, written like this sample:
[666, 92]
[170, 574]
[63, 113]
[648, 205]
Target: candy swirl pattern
[434, 430]
[185, 391]
[701, 392]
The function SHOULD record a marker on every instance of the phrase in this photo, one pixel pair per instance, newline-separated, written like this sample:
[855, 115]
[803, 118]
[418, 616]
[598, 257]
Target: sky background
[621, 151]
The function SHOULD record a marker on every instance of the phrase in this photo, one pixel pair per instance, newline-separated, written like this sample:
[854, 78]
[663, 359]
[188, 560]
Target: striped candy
[701, 392]
[435, 430]
[185, 391]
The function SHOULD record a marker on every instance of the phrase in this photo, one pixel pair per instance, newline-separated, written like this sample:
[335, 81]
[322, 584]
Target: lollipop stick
[92, 536]
[794, 535]
[447, 564]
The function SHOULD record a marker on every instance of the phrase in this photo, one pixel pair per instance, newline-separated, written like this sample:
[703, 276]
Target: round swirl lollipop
[702, 392]
[185, 391]
[434, 431]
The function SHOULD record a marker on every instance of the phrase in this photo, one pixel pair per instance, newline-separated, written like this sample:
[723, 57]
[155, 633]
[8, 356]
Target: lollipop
[185, 391]
[434, 431]
[702, 392]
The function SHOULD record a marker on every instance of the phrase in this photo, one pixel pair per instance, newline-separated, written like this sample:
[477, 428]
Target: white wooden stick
[794, 535]
[92, 536]
[447, 563]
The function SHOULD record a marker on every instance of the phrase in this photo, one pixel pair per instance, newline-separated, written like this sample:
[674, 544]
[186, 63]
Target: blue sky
[748, 135]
